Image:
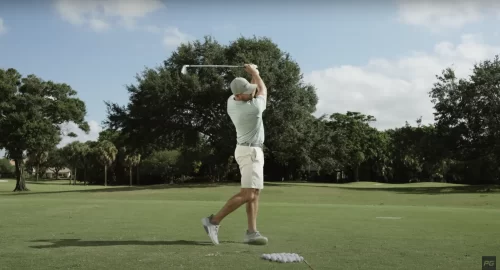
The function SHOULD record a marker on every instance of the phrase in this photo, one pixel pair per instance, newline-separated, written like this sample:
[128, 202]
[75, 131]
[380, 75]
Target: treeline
[175, 127]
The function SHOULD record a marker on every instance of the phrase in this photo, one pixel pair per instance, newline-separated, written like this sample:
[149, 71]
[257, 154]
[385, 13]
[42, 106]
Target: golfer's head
[242, 89]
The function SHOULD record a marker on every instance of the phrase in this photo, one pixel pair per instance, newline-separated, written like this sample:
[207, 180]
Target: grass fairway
[351, 226]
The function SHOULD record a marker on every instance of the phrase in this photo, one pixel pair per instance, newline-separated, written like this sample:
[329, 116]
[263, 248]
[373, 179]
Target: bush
[6, 169]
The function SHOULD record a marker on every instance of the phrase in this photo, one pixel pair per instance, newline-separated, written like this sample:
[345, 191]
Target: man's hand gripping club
[256, 79]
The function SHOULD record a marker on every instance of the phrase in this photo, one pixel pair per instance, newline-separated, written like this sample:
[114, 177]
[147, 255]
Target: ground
[350, 226]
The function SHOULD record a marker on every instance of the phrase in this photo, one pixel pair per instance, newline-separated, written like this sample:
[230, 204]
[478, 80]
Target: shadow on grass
[432, 190]
[61, 243]
[86, 189]
[405, 188]
[287, 184]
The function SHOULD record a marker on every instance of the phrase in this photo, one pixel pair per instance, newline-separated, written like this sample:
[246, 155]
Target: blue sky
[379, 59]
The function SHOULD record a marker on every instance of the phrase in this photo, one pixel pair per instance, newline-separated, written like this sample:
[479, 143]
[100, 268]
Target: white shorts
[251, 163]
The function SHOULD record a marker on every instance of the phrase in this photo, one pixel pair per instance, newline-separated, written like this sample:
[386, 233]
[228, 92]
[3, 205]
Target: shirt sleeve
[260, 103]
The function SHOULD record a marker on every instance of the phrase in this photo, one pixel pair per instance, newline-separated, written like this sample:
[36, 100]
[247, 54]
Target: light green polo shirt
[247, 119]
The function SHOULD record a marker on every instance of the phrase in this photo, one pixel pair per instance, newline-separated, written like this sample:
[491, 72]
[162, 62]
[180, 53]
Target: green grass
[57, 226]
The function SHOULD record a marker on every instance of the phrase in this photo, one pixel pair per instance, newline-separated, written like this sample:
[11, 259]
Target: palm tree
[76, 153]
[130, 161]
[105, 152]
[84, 153]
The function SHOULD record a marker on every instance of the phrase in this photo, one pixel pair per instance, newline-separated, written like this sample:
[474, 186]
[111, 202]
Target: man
[245, 109]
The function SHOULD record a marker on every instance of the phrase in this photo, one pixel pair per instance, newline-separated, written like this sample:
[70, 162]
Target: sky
[376, 57]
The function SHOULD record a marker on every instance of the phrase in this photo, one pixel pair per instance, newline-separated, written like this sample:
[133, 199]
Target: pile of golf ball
[283, 257]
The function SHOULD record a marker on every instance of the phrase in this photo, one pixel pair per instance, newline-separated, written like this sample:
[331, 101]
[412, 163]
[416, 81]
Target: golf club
[184, 68]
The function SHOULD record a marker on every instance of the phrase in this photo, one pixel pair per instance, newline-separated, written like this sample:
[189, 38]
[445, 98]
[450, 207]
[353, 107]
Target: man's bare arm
[256, 79]
[261, 86]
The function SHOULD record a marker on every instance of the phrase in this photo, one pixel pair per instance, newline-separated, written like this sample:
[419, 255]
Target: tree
[84, 155]
[168, 110]
[32, 111]
[37, 158]
[192, 159]
[468, 116]
[119, 141]
[131, 160]
[380, 160]
[105, 152]
[75, 154]
[6, 168]
[353, 134]
[56, 161]
[324, 142]
[162, 165]
[406, 152]
[39, 152]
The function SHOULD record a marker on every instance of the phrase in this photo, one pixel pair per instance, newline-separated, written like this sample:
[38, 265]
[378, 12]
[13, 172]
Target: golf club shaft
[212, 66]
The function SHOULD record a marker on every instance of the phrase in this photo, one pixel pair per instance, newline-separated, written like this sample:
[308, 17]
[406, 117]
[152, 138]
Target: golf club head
[184, 70]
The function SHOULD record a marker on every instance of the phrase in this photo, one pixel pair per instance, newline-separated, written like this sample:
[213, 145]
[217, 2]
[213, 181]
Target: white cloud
[98, 25]
[173, 37]
[93, 134]
[3, 28]
[446, 14]
[395, 91]
[99, 14]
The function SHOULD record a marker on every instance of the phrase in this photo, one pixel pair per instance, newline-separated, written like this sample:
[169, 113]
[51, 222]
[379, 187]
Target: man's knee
[250, 194]
[256, 193]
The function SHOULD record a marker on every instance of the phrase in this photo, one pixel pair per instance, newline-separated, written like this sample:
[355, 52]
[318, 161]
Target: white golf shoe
[211, 229]
[254, 238]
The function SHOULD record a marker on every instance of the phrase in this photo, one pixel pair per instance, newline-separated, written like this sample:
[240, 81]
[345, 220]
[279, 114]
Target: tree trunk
[356, 173]
[105, 175]
[84, 176]
[37, 172]
[74, 177]
[138, 178]
[130, 174]
[20, 184]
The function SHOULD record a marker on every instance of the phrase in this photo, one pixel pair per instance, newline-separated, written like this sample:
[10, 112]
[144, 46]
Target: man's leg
[257, 184]
[211, 224]
[252, 235]
[245, 157]
[244, 196]
[249, 162]
[252, 210]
